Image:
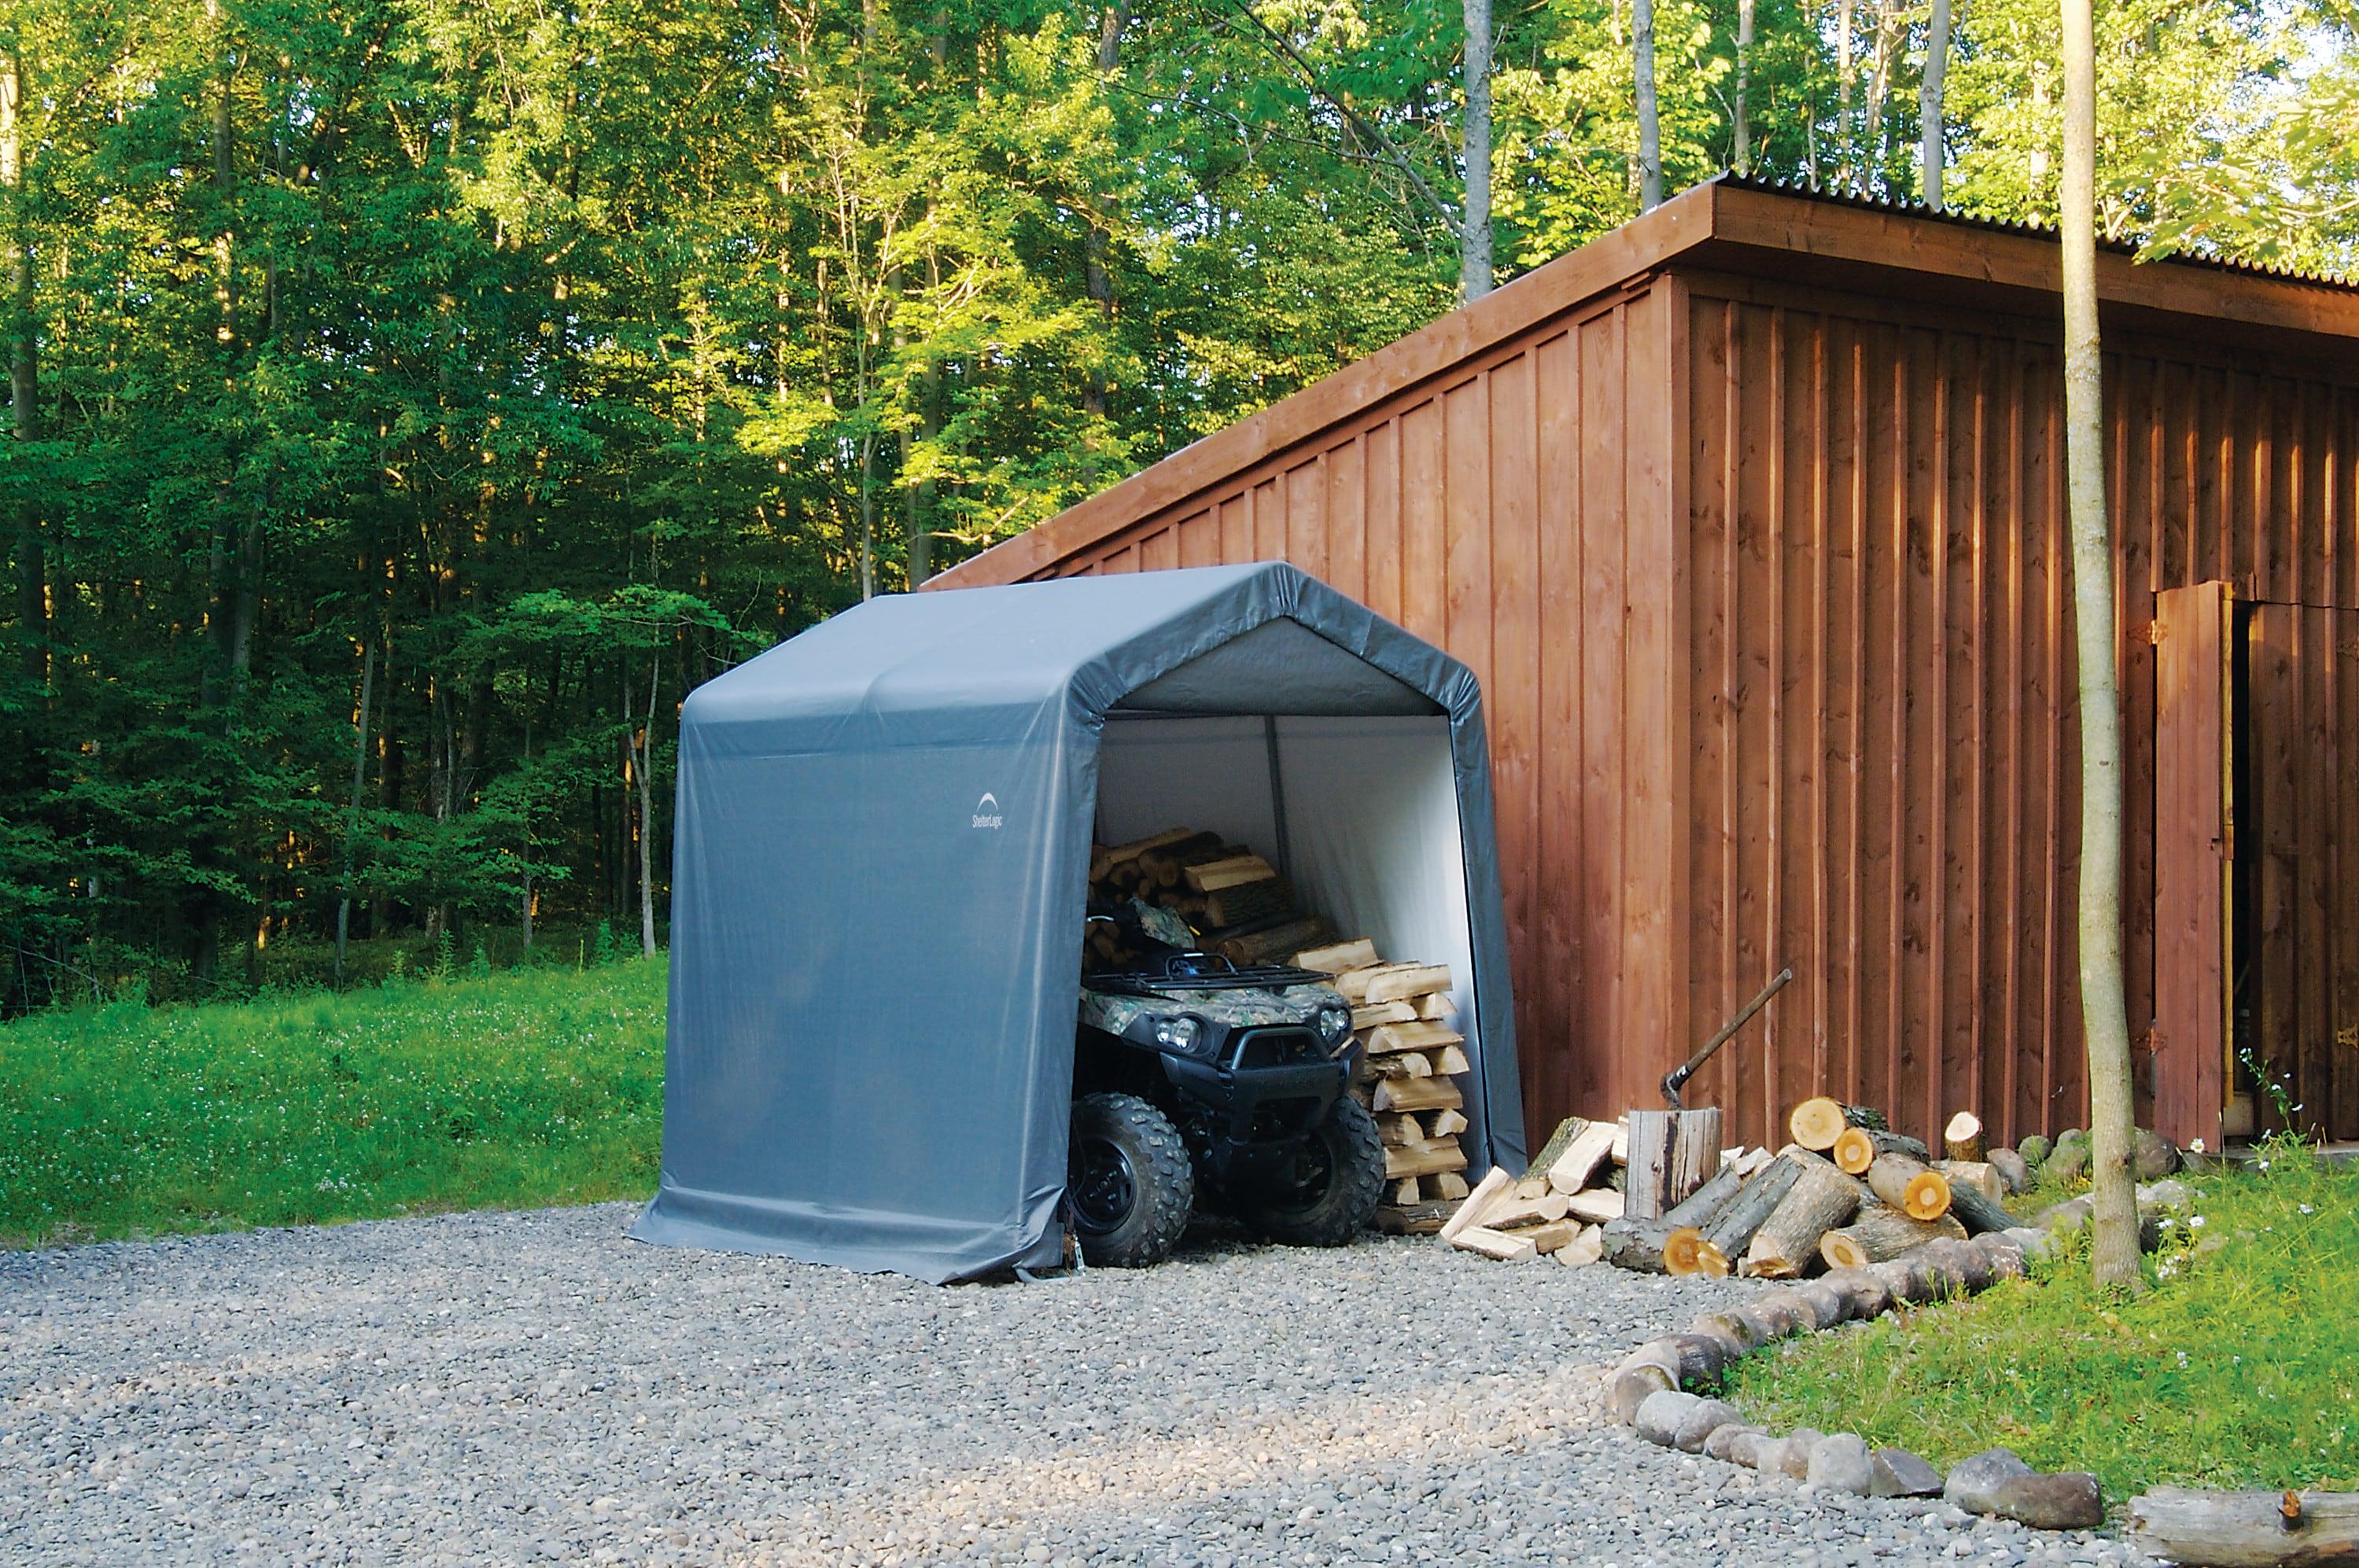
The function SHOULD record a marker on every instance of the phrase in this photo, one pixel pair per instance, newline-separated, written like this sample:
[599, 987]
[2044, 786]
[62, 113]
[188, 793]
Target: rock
[1795, 1461]
[1754, 1449]
[1839, 1464]
[2067, 1501]
[1721, 1439]
[2068, 1163]
[2034, 1150]
[1660, 1413]
[2169, 1193]
[1700, 1422]
[1632, 1387]
[2152, 1156]
[1974, 1483]
[1896, 1473]
[2012, 1168]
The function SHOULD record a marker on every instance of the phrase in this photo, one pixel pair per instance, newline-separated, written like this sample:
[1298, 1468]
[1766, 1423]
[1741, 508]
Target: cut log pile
[1410, 1064]
[1236, 902]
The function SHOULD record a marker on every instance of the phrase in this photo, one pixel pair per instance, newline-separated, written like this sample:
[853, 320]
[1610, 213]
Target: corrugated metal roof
[1906, 207]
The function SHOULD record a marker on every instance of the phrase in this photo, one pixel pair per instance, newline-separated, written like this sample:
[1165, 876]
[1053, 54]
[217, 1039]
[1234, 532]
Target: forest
[412, 400]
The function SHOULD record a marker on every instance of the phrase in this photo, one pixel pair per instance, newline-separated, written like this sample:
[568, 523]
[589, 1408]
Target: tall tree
[2104, 1016]
[1740, 114]
[1650, 126]
[1474, 247]
[1929, 151]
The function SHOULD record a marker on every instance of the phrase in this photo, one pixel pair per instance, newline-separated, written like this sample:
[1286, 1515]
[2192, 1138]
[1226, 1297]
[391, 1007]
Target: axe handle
[1676, 1079]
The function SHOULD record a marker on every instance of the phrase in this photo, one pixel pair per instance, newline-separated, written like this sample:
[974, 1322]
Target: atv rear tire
[1331, 1194]
[1127, 1181]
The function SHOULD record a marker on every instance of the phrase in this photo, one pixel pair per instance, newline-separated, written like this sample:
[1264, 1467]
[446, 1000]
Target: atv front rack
[1202, 972]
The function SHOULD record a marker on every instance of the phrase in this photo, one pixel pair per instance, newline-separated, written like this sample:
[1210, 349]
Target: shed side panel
[1490, 511]
[1884, 768]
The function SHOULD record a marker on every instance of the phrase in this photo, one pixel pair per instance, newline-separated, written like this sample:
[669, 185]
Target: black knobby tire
[1331, 1192]
[1127, 1181]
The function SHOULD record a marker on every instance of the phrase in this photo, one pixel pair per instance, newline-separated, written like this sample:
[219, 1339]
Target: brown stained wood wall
[1516, 513]
[1750, 519]
[2298, 842]
[1883, 770]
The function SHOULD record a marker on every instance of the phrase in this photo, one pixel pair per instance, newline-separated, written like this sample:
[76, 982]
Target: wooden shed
[1750, 516]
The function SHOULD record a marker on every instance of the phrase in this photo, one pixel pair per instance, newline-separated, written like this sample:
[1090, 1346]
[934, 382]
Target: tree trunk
[1928, 103]
[1883, 1233]
[647, 818]
[1741, 1219]
[2104, 1018]
[352, 824]
[1672, 1152]
[1474, 243]
[24, 379]
[1744, 116]
[1096, 241]
[1650, 138]
[1846, 73]
[1787, 1242]
[2241, 1527]
[527, 844]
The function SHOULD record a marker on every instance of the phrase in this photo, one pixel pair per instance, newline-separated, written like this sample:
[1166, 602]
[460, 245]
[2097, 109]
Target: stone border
[1647, 1389]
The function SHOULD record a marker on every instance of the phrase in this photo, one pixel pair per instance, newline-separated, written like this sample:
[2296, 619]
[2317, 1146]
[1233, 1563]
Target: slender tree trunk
[1872, 113]
[527, 843]
[24, 374]
[1744, 116]
[1474, 271]
[1650, 131]
[352, 824]
[2104, 1018]
[1846, 77]
[1097, 241]
[1928, 103]
[647, 816]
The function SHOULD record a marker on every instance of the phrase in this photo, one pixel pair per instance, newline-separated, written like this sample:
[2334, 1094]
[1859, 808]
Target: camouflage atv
[1202, 1083]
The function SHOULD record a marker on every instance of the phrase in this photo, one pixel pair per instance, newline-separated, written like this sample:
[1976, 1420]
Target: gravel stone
[525, 1388]
[1975, 1482]
[1839, 1464]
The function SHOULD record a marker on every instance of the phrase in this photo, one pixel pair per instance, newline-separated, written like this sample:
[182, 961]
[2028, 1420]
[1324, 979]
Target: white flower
[2196, 1144]
[2265, 1164]
[2307, 1209]
[2195, 1220]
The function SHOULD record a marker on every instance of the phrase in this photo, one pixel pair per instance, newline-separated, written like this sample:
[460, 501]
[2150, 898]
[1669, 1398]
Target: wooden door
[2194, 846]
[2298, 997]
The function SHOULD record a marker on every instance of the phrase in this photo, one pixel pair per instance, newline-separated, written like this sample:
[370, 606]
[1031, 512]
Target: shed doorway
[2256, 888]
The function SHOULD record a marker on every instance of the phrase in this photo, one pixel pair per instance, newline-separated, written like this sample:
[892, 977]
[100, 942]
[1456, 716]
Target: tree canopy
[428, 394]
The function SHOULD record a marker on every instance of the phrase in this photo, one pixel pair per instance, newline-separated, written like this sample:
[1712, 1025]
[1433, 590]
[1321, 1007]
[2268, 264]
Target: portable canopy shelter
[881, 865]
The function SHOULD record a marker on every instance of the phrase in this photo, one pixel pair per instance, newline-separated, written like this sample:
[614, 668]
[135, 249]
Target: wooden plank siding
[1750, 519]
[1883, 770]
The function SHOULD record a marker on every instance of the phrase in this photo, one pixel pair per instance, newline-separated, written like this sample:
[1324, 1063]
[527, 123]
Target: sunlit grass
[537, 1086]
[2239, 1369]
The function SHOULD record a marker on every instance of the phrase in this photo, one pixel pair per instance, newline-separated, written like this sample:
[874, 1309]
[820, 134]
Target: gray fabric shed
[881, 861]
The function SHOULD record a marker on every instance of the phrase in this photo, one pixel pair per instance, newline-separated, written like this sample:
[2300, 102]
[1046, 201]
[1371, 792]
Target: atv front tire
[1127, 1181]
[1329, 1194]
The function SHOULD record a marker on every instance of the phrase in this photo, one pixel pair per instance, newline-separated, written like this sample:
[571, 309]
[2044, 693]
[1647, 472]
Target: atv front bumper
[1257, 1110]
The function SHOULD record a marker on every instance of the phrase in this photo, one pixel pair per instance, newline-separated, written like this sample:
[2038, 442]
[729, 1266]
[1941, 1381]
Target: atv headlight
[1179, 1033]
[1334, 1025]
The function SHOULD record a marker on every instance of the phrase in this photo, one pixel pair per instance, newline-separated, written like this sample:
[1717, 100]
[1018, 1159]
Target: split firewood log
[1103, 861]
[1422, 1159]
[1452, 1059]
[1448, 1123]
[1596, 1206]
[1374, 1015]
[1855, 1148]
[1405, 1192]
[1787, 1242]
[1881, 1233]
[1909, 1185]
[1551, 1237]
[1963, 1137]
[1447, 1186]
[1586, 1248]
[1494, 1184]
[1411, 1036]
[1577, 1160]
[1544, 1209]
[1338, 957]
[1504, 1246]
[1418, 1094]
[1817, 1122]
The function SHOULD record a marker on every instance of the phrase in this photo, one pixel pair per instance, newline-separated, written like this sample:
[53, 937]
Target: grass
[502, 1091]
[2240, 1366]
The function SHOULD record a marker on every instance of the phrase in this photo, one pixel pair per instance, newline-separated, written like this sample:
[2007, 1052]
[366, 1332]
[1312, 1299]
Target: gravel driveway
[523, 1387]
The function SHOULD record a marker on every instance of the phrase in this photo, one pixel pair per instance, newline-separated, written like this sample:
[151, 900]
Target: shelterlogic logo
[987, 811]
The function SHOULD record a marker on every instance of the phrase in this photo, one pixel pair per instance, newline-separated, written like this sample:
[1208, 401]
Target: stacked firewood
[1846, 1192]
[1560, 1207]
[1411, 1059]
[1235, 901]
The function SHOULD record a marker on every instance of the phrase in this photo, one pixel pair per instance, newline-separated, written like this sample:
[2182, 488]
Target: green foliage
[512, 1090]
[2237, 1369]
[532, 368]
